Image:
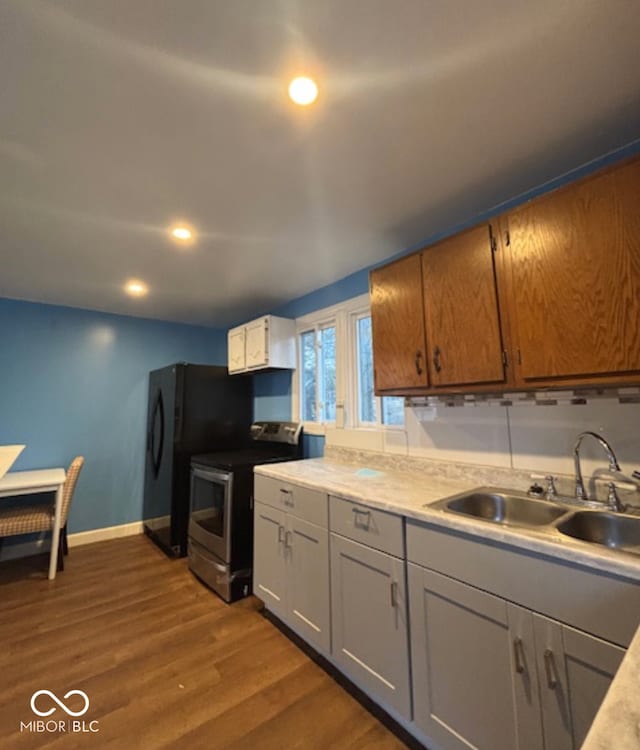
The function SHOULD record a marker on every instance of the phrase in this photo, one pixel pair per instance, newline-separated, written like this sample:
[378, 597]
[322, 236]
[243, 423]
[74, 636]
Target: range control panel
[277, 432]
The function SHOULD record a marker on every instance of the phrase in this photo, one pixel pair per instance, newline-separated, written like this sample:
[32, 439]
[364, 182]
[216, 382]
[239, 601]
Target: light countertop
[410, 495]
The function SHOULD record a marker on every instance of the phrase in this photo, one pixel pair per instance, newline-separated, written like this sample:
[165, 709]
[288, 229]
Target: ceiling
[119, 117]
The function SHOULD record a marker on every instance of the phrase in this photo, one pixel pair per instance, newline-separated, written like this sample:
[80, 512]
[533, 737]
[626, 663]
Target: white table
[32, 482]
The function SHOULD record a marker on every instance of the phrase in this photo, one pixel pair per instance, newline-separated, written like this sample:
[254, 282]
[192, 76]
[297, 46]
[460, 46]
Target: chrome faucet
[614, 467]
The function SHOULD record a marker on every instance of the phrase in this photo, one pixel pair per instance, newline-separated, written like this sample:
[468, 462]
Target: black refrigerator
[192, 409]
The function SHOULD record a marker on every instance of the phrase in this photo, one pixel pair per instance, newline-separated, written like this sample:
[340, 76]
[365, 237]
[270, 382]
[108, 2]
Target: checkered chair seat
[26, 520]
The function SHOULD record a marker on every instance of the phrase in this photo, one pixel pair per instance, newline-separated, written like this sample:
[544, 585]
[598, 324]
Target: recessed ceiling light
[182, 233]
[136, 288]
[303, 91]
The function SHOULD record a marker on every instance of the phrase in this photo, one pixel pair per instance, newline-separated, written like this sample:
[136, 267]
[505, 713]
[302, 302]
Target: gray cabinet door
[462, 665]
[369, 618]
[307, 547]
[575, 671]
[525, 678]
[269, 564]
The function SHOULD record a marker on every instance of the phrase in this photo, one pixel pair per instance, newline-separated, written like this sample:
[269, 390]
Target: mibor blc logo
[45, 703]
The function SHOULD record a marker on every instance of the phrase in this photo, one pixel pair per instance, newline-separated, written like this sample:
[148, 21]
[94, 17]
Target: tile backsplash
[535, 439]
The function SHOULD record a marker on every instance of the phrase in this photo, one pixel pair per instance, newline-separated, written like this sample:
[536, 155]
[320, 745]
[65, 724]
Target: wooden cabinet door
[307, 548]
[575, 279]
[269, 563]
[398, 326]
[461, 311]
[463, 666]
[256, 343]
[369, 621]
[236, 358]
[575, 670]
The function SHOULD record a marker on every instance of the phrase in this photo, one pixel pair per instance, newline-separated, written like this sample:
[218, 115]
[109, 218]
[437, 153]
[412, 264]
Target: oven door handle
[211, 475]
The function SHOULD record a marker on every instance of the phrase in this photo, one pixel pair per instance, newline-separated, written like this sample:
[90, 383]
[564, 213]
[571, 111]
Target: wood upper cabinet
[546, 296]
[574, 296]
[461, 311]
[398, 326]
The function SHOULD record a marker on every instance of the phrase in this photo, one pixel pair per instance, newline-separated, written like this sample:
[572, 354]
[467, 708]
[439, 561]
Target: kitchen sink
[608, 529]
[503, 507]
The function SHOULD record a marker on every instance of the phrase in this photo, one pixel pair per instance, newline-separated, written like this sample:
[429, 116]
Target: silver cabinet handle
[394, 594]
[550, 669]
[287, 496]
[280, 534]
[361, 513]
[518, 655]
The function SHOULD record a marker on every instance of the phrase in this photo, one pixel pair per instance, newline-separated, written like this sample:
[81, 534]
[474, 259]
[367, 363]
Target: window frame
[344, 316]
[316, 322]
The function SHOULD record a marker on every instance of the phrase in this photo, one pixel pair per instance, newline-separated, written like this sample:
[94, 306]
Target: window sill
[379, 428]
[315, 428]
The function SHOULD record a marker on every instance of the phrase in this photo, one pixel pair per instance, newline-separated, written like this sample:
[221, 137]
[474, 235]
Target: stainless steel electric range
[220, 544]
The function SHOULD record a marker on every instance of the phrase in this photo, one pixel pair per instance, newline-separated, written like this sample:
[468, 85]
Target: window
[333, 384]
[318, 374]
[364, 348]
[391, 408]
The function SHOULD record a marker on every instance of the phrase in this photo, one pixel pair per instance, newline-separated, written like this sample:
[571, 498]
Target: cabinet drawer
[302, 502]
[375, 528]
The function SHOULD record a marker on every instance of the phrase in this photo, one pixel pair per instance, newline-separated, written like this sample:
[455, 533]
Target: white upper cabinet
[236, 339]
[267, 342]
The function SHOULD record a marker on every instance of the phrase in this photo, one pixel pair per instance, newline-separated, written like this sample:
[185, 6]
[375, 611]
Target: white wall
[530, 437]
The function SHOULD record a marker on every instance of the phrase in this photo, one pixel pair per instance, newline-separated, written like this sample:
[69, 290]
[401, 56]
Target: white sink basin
[8, 454]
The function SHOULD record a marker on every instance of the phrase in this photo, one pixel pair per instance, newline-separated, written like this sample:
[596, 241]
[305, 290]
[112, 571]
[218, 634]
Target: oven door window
[210, 493]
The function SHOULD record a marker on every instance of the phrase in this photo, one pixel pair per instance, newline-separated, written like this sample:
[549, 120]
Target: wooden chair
[30, 519]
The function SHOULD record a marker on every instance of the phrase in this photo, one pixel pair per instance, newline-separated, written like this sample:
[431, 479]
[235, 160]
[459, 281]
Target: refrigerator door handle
[178, 424]
[156, 455]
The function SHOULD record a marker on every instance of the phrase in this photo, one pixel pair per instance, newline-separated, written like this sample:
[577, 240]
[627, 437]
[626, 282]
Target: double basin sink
[509, 508]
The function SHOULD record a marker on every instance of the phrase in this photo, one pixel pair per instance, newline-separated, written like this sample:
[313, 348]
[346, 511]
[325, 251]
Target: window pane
[366, 398]
[328, 390]
[392, 410]
[308, 366]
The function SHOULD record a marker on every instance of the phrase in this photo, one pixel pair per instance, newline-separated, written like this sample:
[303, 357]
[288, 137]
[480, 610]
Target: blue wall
[275, 389]
[75, 382]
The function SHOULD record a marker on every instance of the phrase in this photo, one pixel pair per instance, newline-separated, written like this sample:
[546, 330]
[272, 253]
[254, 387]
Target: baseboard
[38, 546]
[102, 535]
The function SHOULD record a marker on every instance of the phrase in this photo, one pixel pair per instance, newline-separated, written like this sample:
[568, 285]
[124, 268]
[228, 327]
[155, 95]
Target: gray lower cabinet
[307, 556]
[464, 686]
[575, 670]
[492, 675]
[291, 572]
[269, 564]
[369, 621]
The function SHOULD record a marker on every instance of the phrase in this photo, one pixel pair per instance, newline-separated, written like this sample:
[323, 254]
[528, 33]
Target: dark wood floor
[165, 663]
